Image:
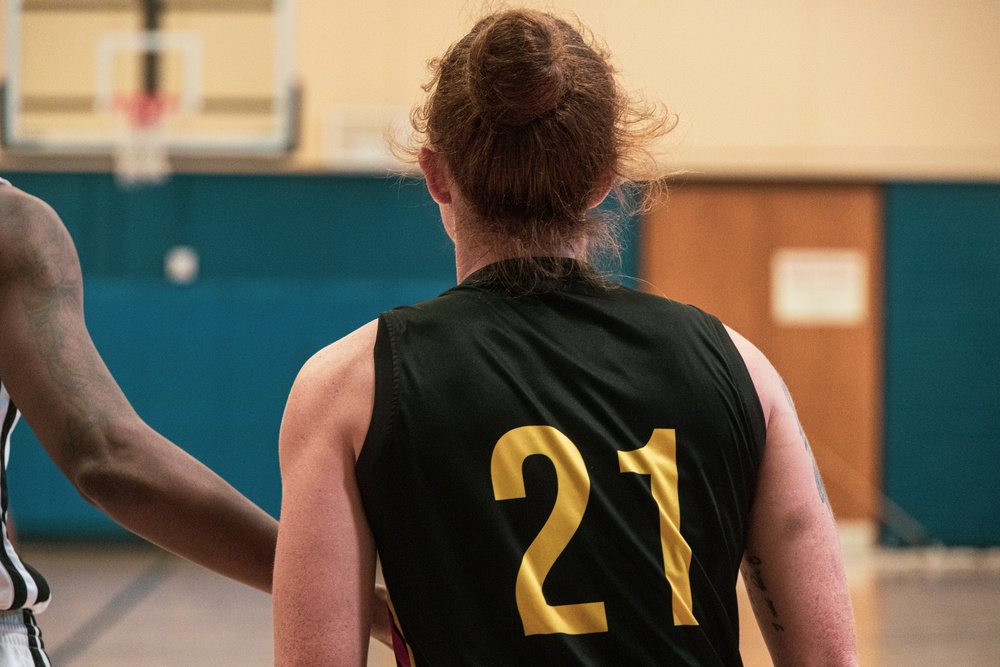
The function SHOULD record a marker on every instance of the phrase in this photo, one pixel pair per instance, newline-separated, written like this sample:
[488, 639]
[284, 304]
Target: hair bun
[515, 71]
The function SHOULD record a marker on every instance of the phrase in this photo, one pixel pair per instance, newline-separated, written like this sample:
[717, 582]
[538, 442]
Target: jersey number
[657, 458]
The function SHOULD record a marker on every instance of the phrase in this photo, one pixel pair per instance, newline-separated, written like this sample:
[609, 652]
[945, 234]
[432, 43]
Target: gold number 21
[658, 459]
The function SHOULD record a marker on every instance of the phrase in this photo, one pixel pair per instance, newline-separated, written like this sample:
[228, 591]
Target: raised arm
[792, 567]
[57, 379]
[325, 564]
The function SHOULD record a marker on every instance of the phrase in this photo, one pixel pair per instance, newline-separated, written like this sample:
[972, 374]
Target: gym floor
[134, 606]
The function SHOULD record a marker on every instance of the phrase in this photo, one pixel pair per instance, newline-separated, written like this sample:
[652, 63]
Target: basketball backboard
[220, 71]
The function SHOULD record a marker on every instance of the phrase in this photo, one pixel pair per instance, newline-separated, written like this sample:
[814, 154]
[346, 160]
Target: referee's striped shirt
[21, 586]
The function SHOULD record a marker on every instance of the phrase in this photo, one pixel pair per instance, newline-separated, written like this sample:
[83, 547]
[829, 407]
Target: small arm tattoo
[760, 600]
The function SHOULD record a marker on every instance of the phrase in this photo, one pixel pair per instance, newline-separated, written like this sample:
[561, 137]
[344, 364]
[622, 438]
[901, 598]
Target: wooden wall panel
[712, 244]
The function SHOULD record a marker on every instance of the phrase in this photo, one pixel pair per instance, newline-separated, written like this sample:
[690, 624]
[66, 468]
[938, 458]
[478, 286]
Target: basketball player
[51, 373]
[553, 469]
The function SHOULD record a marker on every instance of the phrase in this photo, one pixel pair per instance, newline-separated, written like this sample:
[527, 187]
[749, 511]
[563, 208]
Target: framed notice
[819, 286]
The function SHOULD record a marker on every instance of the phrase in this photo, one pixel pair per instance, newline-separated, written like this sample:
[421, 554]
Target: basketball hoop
[140, 151]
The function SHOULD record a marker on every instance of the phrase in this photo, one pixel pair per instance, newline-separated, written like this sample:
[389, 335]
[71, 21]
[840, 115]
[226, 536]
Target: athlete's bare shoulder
[334, 390]
[34, 244]
[765, 378]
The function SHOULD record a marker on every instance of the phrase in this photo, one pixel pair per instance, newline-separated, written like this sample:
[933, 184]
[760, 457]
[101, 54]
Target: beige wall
[843, 88]
[791, 88]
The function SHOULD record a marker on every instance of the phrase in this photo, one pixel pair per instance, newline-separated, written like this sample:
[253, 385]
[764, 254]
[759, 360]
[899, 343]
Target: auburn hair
[531, 122]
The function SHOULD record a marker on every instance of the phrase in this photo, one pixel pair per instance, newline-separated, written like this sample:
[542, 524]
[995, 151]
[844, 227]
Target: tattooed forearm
[763, 606]
[805, 441]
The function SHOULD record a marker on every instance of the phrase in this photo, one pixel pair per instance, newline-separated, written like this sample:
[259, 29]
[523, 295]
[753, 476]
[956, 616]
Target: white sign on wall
[819, 286]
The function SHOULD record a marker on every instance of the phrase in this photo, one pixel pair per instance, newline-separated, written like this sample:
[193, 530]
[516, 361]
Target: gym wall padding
[289, 263]
[942, 421]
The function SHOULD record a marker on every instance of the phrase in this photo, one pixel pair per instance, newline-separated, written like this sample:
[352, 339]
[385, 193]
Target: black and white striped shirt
[21, 586]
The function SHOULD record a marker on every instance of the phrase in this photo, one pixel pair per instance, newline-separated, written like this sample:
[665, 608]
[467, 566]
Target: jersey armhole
[382, 409]
[750, 399]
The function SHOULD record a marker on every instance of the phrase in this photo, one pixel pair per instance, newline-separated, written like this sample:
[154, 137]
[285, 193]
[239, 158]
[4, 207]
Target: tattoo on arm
[52, 303]
[763, 606]
[805, 441]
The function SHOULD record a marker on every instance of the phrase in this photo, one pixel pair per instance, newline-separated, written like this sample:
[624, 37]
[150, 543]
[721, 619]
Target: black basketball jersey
[562, 477]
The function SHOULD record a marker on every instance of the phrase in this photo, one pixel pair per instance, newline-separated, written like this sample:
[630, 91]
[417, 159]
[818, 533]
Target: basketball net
[140, 152]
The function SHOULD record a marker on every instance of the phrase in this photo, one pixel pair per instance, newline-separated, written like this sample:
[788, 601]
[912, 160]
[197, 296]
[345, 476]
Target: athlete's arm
[325, 563]
[792, 567]
[57, 379]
